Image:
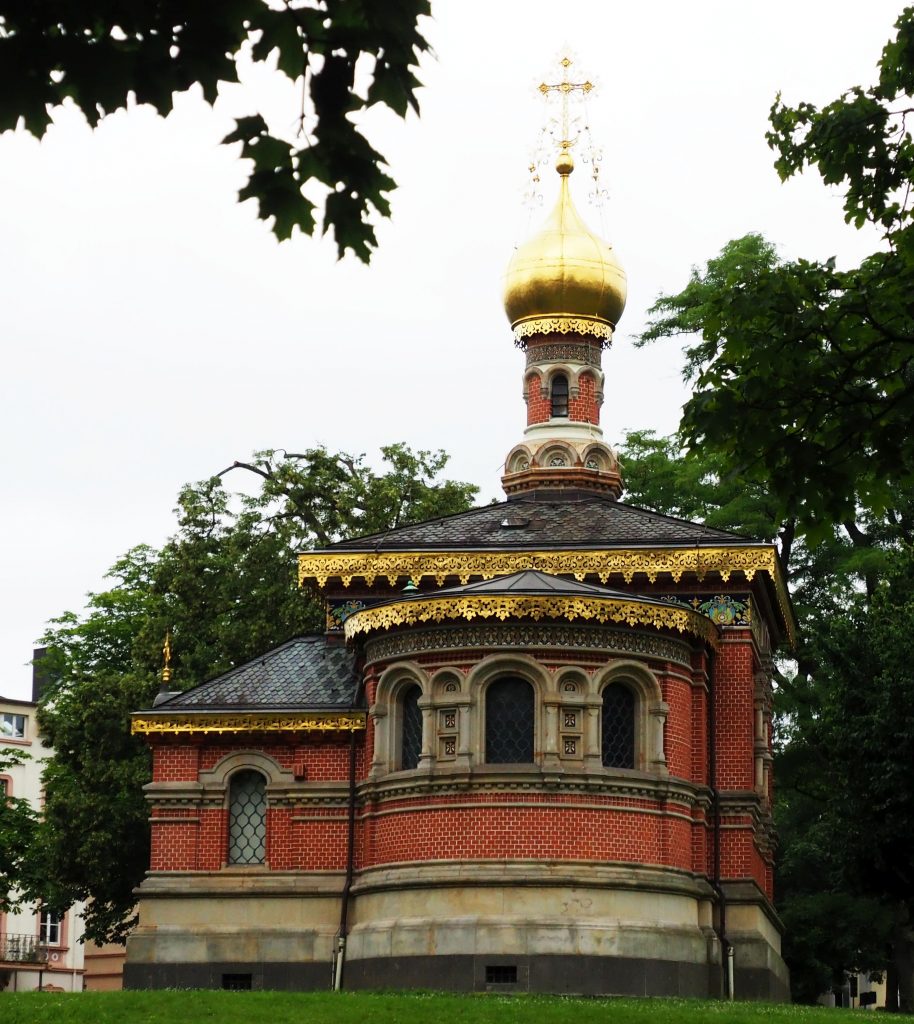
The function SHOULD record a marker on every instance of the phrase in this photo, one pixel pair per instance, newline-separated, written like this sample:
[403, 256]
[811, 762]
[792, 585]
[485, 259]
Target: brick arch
[245, 760]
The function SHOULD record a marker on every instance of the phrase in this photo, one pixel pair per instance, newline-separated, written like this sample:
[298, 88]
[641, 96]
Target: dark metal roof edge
[248, 708]
[736, 542]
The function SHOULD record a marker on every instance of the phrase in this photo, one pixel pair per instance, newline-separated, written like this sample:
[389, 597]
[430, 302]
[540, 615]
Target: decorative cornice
[626, 562]
[564, 351]
[504, 634]
[607, 784]
[562, 323]
[510, 606]
[232, 722]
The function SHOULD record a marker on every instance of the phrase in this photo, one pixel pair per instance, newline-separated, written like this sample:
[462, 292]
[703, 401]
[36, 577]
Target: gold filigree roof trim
[563, 325]
[241, 723]
[626, 562]
[509, 606]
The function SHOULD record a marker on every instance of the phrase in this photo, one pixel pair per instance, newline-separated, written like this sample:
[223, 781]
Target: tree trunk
[891, 989]
[903, 961]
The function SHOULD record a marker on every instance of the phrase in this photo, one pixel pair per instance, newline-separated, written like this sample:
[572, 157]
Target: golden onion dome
[565, 278]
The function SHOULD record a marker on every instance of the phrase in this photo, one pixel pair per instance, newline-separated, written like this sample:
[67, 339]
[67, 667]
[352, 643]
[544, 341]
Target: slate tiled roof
[531, 582]
[530, 522]
[528, 581]
[306, 673]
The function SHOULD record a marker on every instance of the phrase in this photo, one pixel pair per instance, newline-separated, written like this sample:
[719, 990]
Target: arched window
[560, 395]
[618, 721]
[247, 818]
[509, 722]
[410, 727]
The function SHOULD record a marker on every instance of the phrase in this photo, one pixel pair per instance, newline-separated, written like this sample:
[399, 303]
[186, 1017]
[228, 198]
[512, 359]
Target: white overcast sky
[153, 330]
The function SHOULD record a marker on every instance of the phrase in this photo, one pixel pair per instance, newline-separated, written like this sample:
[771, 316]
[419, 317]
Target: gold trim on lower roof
[233, 722]
[508, 606]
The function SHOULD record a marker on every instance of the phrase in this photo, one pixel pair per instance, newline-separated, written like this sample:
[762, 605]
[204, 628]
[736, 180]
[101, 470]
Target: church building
[531, 752]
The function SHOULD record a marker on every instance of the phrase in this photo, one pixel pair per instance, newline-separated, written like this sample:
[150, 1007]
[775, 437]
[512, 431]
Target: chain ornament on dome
[567, 127]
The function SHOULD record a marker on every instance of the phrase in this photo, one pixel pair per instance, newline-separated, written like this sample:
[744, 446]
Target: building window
[49, 929]
[247, 818]
[509, 722]
[618, 723]
[410, 728]
[560, 395]
[12, 727]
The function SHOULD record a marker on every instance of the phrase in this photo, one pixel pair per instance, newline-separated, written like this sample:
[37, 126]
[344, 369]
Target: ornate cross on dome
[565, 89]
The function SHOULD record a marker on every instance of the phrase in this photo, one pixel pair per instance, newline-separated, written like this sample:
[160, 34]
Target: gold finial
[166, 659]
[565, 88]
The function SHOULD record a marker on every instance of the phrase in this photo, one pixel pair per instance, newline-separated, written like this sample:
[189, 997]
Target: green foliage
[802, 372]
[846, 813]
[18, 824]
[225, 587]
[98, 56]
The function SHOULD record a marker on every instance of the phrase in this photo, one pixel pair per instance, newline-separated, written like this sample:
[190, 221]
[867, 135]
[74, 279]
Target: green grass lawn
[193, 1007]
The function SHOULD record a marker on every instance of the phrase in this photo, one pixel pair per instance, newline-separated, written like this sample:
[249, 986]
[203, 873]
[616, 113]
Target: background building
[37, 948]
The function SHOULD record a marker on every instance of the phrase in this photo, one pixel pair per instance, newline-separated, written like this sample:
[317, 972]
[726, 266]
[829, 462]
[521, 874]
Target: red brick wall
[677, 693]
[584, 408]
[734, 692]
[502, 826]
[539, 407]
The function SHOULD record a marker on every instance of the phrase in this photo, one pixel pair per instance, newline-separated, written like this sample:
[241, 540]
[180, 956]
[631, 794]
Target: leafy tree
[840, 911]
[810, 367]
[849, 815]
[18, 824]
[99, 55]
[225, 586]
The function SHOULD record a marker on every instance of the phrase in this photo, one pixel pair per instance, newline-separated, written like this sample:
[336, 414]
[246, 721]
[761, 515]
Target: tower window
[618, 721]
[509, 722]
[247, 818]
[560, 395]
[410, 728]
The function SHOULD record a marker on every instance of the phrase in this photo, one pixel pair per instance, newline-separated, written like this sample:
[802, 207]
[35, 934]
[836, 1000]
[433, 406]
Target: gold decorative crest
[505, 606]
[237, 723]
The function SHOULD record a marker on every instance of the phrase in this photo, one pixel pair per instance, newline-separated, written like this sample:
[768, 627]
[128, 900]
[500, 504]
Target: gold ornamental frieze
[511, 606]
[230, 723]
[560, 324]
[625, 562]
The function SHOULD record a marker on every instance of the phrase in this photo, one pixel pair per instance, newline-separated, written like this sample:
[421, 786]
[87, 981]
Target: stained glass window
[247, 818]
[560, 395]
[618, 727]
[509, 722]
[410, 728]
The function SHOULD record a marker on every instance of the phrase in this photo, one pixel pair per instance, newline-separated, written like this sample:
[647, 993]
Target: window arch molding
[489, 671]
[387, 714]
[650, 711]
[217, 777]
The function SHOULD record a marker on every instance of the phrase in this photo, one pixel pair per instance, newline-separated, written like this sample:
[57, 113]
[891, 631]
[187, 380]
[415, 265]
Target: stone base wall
[589, 930]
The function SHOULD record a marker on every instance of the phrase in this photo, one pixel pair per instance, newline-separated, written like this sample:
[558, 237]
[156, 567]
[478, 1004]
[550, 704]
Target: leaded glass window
[509, 722]
[247, 818]
[410, 728]
[618, 727]
[560, 395]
